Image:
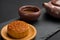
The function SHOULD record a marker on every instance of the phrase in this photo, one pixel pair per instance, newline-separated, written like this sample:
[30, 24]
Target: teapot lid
[56, 2]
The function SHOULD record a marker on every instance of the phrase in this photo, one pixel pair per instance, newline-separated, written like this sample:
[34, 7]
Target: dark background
[9, 10]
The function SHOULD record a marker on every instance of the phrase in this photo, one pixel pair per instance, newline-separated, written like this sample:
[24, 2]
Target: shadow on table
[51, 18]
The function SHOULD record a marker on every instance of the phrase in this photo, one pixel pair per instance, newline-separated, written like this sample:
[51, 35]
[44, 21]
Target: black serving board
[46, 25]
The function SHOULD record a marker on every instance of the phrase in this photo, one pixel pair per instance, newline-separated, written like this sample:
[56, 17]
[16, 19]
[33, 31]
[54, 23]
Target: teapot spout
[46, 5]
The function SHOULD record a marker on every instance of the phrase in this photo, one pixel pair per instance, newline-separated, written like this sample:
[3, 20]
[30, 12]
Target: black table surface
[9, 10]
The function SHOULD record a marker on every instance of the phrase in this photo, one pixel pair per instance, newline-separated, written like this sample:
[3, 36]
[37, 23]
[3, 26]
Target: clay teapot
[53, 8]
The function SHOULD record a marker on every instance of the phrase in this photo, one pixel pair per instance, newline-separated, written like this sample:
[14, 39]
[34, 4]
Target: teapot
[53, 8]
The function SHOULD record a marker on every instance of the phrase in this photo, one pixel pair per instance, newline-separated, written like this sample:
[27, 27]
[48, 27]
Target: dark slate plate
[46, 25]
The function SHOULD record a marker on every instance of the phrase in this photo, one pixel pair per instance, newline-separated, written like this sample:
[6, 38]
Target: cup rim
[20, 8]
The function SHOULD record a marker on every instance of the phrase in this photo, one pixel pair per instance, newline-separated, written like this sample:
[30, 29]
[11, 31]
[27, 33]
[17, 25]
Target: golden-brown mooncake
[18, 29]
